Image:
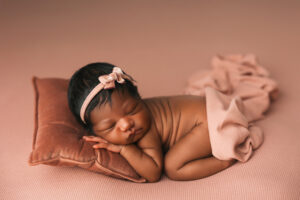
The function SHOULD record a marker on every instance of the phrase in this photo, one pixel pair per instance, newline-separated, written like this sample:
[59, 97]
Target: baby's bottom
[191, 157]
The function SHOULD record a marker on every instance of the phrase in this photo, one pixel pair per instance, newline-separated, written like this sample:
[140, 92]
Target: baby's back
[175, 116]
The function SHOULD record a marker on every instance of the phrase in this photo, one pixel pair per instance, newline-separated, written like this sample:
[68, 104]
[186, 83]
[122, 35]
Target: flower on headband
[109, 80]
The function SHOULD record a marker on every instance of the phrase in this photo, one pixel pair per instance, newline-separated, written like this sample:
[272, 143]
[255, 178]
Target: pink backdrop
[160, 43]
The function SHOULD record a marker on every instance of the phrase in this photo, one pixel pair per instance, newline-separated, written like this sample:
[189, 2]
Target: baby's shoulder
[181, 103]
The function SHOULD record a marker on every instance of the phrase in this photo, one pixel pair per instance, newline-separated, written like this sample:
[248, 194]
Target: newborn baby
[158, 134]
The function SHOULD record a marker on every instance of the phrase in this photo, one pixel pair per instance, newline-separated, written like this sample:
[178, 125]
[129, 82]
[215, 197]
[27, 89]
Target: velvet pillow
[57, 138]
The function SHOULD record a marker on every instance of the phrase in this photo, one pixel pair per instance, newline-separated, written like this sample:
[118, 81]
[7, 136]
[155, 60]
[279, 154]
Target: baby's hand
[103, 144]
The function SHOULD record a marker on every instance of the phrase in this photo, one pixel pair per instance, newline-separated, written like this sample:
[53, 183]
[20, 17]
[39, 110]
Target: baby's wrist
[122, 149]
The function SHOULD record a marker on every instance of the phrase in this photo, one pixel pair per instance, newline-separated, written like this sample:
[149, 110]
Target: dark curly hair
[84, 80]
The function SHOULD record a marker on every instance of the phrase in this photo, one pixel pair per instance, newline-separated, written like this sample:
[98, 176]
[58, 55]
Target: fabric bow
[109, 80]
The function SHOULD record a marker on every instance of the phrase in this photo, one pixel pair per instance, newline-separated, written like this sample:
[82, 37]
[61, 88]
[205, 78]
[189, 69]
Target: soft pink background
[160, 43]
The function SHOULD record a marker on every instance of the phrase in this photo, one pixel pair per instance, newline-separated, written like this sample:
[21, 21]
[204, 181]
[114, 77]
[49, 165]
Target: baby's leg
[190, 158]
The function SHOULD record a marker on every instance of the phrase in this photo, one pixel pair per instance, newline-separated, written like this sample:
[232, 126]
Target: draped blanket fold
[238, 91]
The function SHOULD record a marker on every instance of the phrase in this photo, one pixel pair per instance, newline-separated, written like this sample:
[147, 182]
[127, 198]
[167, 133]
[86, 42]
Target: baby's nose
[126, 123]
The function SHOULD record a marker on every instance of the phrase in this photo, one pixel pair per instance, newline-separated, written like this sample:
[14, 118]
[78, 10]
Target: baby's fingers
[100, 145]
[94, 139]
[109, 147]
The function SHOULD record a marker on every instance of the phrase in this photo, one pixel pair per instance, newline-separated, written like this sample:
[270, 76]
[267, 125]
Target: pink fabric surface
[231, 135]
[238, 75]
[160, 44]
[238, 91]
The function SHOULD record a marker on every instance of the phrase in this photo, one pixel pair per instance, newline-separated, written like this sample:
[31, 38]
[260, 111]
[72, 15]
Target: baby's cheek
[146, 119]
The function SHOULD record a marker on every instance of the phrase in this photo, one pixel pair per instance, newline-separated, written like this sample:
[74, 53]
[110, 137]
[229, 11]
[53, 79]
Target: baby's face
[125, 121]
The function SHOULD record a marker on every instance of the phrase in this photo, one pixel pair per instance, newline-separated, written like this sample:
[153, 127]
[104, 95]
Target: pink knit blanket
[238, 91]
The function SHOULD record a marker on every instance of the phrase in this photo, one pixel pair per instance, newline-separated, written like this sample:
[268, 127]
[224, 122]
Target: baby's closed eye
[110, 127]
[107, 128]
[134, 109]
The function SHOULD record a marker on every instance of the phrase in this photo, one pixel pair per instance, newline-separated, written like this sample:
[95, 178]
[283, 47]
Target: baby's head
[114, 111]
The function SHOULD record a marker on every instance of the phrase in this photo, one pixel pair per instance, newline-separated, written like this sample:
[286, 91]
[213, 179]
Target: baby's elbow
[151, 181]
[155, 177]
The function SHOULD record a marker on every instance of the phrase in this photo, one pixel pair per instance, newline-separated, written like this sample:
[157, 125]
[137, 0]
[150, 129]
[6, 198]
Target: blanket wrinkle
[233, 116]
[238, 92]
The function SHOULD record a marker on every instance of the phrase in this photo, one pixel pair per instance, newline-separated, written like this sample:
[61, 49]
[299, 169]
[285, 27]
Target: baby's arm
[146, 156]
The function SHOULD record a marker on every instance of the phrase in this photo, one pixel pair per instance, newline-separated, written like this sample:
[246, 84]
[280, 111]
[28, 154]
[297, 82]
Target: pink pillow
[57, 135]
